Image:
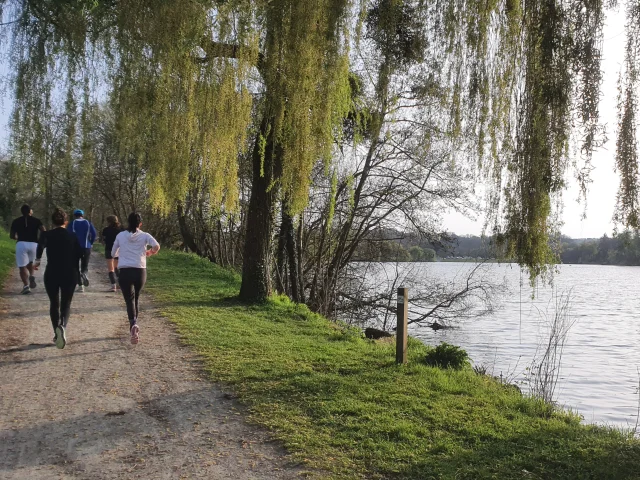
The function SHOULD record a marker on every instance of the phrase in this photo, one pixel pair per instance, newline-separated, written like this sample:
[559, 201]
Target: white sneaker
[114, 288]
[80, 289]
[135, 334]
[61, 337]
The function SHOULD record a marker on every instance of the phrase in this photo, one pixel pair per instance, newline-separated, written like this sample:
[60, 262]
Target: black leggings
[131, 282]
[60, 296]
[84, 262]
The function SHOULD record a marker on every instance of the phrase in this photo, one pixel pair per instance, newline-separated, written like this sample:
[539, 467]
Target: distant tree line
[622, 248]
[390, 245]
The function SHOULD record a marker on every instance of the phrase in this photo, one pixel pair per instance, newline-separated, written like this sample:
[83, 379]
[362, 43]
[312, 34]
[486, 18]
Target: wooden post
[401, 328]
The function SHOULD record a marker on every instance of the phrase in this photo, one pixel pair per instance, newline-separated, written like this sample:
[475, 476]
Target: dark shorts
[107, 254]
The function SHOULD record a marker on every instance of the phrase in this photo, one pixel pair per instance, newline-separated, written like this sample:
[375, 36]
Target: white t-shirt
[131, 248]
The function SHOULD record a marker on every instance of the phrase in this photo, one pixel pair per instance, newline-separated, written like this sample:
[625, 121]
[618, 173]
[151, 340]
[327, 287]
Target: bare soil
[103, 408]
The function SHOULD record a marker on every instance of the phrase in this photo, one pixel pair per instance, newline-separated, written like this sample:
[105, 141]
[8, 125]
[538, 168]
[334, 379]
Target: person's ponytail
[133, 222]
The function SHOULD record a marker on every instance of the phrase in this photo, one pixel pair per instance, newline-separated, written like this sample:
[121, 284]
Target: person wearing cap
[25, 230]
[86, 233]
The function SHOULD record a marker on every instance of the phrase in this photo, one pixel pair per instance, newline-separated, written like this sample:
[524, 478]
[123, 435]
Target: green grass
[7, 255]
[340, 404]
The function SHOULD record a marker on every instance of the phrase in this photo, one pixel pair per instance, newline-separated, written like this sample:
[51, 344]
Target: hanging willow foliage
[143, 57]
[529, 79]
[512, 79]
[560, 93]
[522, 82]
[178, 75]
[306, 72]
[627, 202]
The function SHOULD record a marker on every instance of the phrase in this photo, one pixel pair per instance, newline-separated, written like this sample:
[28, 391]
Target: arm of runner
[42, 244]
[116, 247]
[92, 233]
[155, 246]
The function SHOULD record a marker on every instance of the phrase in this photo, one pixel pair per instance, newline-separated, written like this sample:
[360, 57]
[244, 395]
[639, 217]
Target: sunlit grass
[7, 254]
[340, 404]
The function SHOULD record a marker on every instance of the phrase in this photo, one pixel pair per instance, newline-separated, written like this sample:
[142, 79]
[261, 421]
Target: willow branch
[215, 49]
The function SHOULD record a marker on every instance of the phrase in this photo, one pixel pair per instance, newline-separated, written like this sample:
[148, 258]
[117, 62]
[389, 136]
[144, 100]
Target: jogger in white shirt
[130, 247]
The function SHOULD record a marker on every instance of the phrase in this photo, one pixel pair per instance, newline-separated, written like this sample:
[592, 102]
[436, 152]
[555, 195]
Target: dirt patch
[102, 408]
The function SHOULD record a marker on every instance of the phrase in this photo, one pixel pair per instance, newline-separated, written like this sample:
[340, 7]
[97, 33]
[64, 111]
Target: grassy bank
[340, 404]
[7, 255]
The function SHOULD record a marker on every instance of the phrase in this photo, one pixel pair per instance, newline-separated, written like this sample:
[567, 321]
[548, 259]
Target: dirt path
[102, 408]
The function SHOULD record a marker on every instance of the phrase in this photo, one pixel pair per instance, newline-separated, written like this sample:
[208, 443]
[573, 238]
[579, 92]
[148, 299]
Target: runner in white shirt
[130, 247]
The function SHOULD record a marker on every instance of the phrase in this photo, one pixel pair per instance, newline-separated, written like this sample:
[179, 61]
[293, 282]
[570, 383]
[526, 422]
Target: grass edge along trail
[7, 255]
[340, 404]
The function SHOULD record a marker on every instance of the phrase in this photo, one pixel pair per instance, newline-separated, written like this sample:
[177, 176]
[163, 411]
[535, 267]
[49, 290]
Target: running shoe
[135, 334]
[61, 337]
[85, 279]
[32, 282]
[114, 288]
[80, 289]
[25, 290]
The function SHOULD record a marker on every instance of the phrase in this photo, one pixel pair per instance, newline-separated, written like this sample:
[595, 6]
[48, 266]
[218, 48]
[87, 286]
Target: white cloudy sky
[602, 192]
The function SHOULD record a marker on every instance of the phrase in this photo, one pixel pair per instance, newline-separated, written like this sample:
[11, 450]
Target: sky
[600, 199]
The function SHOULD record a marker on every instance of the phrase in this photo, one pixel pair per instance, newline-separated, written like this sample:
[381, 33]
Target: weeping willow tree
[559, 108]
[189, 80]
[515, 86]
[307, 95]
[180, 77]
[532, 84]
[627, 206]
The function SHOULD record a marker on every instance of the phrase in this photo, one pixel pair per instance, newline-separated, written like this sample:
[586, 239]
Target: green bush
[447, 356]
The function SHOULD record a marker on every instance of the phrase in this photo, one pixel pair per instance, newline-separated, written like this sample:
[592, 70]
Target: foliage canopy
[513, 85]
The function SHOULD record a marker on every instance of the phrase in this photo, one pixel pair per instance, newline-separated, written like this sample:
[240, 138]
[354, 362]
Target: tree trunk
[256, 265]
[300, 261]
[187, 236]
[287, 280]
[292, 258]
[281, 265]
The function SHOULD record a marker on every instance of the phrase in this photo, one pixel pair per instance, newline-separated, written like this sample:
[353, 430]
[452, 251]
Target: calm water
[599, 370]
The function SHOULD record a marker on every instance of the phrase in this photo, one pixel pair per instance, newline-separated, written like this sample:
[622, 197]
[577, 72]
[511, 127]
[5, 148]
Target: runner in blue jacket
[86, 233]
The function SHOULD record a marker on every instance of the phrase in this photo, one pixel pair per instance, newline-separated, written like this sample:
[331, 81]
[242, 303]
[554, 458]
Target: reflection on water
[599, 373]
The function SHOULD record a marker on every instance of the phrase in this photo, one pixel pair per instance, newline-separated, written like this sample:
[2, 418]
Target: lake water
[599, 369]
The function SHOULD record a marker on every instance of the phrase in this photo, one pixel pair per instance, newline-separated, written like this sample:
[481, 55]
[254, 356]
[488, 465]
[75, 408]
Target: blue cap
[77, 211]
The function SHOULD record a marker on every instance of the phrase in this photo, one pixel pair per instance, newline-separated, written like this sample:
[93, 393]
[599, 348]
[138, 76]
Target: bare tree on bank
[368, 298]
[544, 373]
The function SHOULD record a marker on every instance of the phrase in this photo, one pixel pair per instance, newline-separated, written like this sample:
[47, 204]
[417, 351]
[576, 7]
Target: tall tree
[184, 78]
[179, 76]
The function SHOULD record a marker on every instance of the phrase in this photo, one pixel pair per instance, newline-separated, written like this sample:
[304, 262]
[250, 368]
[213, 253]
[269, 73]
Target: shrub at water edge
[447, 356]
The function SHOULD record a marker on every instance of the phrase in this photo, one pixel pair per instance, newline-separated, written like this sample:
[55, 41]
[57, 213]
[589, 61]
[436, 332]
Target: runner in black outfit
[62, 274]
[25, 230]
[109, 235]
